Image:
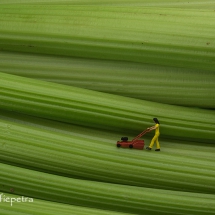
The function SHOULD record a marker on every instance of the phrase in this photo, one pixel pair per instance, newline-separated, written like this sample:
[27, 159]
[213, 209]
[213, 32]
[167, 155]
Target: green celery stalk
[171, 85]
[156, 52]
[92, 154]
[103, 111]
[41, 158]
[149, 35]
[192, 4]
[112, 197]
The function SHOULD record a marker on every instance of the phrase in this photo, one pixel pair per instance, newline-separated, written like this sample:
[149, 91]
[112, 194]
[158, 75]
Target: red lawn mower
[135, 143]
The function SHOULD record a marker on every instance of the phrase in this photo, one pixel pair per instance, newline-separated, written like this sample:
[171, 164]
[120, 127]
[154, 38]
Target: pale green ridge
[104, 111]
[105, 196]
[162, 84]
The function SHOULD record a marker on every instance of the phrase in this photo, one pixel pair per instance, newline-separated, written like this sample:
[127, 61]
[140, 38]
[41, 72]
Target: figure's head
[156, 120]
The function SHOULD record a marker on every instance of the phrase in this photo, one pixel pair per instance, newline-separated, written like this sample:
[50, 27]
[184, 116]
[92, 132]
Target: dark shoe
[157, 149]
[148, 148]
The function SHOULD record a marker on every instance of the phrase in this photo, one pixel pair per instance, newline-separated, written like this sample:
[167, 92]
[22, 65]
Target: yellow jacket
[157, 132]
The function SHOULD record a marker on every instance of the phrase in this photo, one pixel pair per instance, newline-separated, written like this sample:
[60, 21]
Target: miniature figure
[155, 138]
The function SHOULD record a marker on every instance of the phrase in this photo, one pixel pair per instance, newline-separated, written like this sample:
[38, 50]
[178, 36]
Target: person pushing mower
[155, 138]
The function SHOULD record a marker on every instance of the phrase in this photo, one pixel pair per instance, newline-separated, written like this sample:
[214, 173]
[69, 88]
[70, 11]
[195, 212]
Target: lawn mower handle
[141, 134]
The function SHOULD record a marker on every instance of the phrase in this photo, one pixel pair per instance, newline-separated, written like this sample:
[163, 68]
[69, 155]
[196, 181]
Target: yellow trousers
[155, 138]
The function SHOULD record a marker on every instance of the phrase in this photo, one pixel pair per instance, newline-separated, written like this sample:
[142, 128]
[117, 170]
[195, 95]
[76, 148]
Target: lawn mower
[135, 143]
